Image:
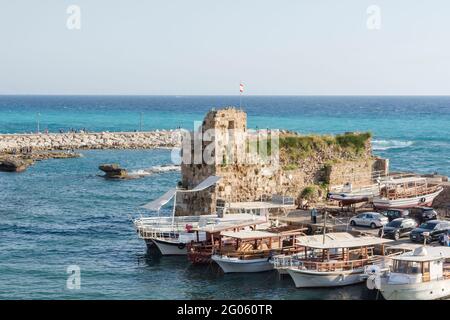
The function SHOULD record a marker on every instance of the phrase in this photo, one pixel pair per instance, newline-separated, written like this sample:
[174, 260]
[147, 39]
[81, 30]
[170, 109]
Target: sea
[60, 216]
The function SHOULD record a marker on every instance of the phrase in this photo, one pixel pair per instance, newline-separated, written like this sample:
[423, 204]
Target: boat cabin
[336, 251]
[407, 188]
[256, 244]
[424, 264]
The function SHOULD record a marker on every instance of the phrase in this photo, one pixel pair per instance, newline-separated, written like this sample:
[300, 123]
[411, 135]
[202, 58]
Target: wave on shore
[155, 169]
[390, 144]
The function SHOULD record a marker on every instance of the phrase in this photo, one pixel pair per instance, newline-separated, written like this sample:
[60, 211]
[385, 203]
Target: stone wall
[100, 140]
[250, 181]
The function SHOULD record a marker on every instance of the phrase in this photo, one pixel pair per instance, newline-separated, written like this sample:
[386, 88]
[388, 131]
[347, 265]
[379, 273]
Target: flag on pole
[241, 87]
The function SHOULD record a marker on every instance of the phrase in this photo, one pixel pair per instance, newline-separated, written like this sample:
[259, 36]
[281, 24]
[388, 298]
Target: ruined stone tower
[301, 161]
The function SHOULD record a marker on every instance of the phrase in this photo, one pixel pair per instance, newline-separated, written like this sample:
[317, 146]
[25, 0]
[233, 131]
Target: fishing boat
[423, 274]
[407, 192]
[200, 252]
[171, 234]
[250, 251]
[347, 195]
[331, 260]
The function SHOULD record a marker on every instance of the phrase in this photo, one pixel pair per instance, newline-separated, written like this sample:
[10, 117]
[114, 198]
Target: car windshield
[394, 224]
[428, 225]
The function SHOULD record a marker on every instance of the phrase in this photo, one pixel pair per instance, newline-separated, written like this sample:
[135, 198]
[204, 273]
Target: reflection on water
[209, 282]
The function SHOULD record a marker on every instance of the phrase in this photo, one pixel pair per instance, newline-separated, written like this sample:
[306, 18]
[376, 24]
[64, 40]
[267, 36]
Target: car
[435, 229]
[423, 214]
[369, 219]
[393, 214]
[398, 228]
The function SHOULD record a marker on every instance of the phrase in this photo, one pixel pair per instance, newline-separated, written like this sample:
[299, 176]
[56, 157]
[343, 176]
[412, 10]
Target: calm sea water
[60, 213]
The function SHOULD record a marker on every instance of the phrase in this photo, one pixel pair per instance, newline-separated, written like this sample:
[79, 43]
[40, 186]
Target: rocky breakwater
[15, 143]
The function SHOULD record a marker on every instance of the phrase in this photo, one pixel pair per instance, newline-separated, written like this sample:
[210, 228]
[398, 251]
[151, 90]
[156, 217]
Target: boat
[406, 193]
[331, 259]
[200, 252]
[171, 234]
[250, 251]
[423, 274]
[347, 195]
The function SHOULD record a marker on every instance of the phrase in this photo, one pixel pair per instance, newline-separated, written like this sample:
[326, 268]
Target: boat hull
[426, 200]
[169, 248]
[417, 291]
[234, 265]
[311, 279]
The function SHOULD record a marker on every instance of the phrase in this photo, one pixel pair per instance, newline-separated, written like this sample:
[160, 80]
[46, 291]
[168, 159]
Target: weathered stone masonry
[250, 182]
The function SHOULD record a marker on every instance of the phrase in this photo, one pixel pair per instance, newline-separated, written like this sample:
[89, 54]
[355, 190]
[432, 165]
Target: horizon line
[222, 95]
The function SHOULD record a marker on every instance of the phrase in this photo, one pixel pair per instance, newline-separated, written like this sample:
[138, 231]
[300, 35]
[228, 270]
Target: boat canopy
[339, 240]
[249, 235]
[425, 254]
[208, 182]
[227, 225]
[406, 180]
[155, 205]
[249, 205]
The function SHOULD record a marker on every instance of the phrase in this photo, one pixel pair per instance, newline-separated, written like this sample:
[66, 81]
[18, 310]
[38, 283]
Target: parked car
[435, 228]
[398, 228]
[393, 214]
[369, 219]
[423, 214]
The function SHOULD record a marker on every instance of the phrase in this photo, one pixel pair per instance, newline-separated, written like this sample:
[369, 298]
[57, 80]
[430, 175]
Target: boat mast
[174, 207]
[324, 226]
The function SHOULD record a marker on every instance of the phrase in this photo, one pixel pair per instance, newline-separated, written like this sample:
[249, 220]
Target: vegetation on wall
[297, 147]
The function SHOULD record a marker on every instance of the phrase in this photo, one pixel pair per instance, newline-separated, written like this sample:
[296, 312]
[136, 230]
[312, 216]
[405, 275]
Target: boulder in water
[114, 171]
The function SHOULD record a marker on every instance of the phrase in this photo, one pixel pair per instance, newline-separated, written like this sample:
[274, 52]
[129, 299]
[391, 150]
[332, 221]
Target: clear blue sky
[207, 46]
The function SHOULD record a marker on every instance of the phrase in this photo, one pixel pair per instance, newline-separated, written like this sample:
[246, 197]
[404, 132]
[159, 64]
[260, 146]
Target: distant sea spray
[390, 144]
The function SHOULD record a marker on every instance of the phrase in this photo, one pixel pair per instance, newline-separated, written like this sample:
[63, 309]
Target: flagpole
[240, 100]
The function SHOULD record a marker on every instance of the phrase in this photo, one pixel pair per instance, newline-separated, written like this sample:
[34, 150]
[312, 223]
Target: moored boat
[332, 259]
[250, 251]
[423, 274]
[407, 192]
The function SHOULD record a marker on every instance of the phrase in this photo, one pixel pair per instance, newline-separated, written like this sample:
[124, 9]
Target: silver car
[369, 219]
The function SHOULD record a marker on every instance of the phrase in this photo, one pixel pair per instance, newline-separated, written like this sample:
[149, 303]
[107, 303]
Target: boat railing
[337, 265]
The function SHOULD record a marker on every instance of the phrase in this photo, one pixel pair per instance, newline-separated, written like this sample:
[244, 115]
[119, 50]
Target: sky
[207, 47]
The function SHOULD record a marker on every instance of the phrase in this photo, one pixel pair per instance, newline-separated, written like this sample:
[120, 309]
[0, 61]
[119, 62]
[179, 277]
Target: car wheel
[396, 236]
[352, 223]
[373, 225]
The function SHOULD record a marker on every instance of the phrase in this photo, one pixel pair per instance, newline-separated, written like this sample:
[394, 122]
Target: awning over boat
[155, 205]
[426, 254]
[208, 182]
[339, 240]
[249, 235]
[249, 205]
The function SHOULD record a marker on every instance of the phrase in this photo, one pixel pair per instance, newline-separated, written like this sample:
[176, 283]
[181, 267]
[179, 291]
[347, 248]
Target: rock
[14, 164]
[114, 171]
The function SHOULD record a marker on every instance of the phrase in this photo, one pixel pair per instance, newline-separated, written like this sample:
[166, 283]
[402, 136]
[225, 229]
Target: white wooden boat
[347, 195]
[250, 251]
[332, 259]
[407, 193]
[423, 274]
[235, 264]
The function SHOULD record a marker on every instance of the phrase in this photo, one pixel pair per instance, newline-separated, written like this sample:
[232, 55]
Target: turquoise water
[60, 213]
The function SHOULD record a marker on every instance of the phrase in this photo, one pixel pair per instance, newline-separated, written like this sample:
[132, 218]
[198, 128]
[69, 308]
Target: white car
[369, 219]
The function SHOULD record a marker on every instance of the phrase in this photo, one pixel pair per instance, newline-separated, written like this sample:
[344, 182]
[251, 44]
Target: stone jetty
[15, 143]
